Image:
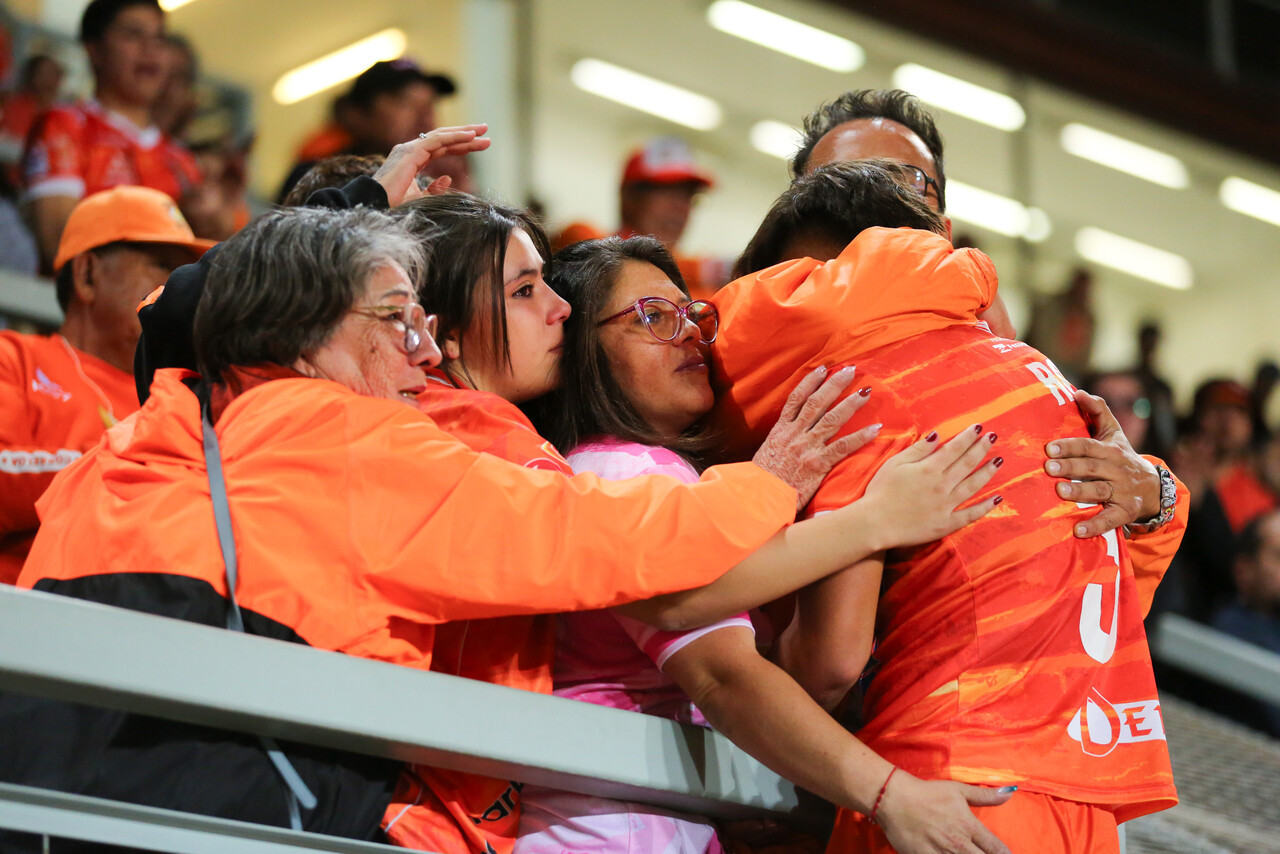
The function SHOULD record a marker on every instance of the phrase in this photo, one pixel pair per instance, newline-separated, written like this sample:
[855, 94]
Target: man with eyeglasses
[109, 140]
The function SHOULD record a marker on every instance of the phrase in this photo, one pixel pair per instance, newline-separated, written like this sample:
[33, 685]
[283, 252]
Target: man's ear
[947, 220]
[83, 271]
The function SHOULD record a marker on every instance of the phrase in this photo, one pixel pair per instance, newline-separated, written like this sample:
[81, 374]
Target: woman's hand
[933, 817]
[915, 495]
[1112, 473]
[796, 449]
[399, 174]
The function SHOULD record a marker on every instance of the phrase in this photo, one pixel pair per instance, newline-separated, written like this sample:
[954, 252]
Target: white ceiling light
[995, 212]
[170, 5]
[320, 74]
[785, 35]
[775, 139]
[1136, 259]
[960, 97]
[1125, 155]
[1251, 199]
[646, 94]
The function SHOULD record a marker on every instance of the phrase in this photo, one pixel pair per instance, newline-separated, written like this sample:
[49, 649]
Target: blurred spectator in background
[1164, 418]
[1062, 326]
[389, 102]
[37, 89]
[1214, 459]
[1254, 615]
[660, 184]
[888, 124]
[58, 393]
[1124, 394]
[177, 103]
[17, 246]
[110, 140]
[1265, 377]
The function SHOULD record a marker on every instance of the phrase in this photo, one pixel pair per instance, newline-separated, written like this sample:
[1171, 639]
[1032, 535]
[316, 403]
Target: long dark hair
[590, 401]
[468, 237]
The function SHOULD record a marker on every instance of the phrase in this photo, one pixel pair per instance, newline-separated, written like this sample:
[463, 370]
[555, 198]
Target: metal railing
[65, 649]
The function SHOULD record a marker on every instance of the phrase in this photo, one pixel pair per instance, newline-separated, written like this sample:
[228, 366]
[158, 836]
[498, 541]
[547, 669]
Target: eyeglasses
[418, 325]
[662, 318]
[918, 179]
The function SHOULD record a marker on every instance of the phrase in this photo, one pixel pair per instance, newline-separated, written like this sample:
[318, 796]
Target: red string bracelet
[876, 806]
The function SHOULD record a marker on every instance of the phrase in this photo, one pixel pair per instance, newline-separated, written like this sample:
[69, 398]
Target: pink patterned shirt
[603, 657]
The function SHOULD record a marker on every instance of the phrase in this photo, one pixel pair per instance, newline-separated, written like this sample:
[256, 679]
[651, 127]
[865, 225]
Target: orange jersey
[1011, 652]
[514, 651]
[78, 151]
[55, 404]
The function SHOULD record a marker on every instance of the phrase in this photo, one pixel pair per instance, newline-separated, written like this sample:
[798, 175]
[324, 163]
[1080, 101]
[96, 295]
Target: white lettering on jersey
[1048, 374]
[44, 385]
[1099, 643]
[36, 462]
[1099, 726]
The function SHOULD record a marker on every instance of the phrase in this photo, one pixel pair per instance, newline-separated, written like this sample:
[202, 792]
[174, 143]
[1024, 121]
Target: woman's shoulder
[617, 459]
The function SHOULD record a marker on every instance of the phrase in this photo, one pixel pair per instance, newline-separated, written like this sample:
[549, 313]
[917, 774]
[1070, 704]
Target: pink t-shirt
[603, 657]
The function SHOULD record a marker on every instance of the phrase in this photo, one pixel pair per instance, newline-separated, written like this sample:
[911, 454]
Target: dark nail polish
[997, 462]
[999, 498]
[991, 437]
[864, 391]
[977, 428]
[932, 437]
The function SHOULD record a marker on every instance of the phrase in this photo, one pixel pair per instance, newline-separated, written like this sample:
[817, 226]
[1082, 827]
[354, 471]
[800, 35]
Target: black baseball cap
[393, 75]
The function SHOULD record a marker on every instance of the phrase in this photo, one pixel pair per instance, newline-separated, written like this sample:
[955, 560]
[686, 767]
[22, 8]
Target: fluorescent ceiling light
[1251, 199]
[1134, 258]
[170, 5]
[775, 139]
[341, 65]
[646, 94]
[1126, 156]
[995, 212]
[960, 97]
[785, 35]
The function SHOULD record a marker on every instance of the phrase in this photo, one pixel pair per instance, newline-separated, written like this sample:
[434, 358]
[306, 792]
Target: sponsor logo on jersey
[44, 385]
[36, 462]
[1100, 725]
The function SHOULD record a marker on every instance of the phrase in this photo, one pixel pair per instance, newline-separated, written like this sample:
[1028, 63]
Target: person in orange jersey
[1010, 652]
[660, 183]
[58, 393]
[502, 332]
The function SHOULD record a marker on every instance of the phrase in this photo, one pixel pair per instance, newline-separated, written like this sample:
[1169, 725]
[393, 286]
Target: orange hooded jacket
[1011, 652]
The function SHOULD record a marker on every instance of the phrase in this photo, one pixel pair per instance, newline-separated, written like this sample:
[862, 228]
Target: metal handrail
[1218, 657]
[29, 298]
[66, 649]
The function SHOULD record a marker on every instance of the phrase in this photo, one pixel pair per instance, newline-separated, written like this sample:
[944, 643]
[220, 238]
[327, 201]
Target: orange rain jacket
[360, 525]
[55, 403]
[1010, 651]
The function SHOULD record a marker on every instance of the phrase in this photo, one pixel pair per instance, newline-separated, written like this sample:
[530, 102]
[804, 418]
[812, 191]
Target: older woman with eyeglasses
[634, 392]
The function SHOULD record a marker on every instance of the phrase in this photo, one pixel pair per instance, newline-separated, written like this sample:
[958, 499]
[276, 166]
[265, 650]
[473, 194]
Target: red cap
[129, 215]
[666, 160]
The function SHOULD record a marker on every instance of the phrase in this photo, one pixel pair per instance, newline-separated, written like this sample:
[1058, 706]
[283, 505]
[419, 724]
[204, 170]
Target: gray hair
[278, 289]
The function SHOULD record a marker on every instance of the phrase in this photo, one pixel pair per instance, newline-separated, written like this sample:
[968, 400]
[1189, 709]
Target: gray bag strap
[299, 793]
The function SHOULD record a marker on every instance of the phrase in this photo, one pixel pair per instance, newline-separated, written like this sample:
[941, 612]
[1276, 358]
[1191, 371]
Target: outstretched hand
[933, 817]
[916, 493]
[796, 449]
[1104, 470]
[399, 173]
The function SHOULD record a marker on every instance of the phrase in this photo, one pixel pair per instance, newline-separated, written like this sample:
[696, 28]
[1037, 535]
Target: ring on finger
[1111, 491]
[422, 136]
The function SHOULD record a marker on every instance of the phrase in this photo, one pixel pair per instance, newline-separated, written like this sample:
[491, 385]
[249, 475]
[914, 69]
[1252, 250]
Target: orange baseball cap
[126, 214]
[666, 160]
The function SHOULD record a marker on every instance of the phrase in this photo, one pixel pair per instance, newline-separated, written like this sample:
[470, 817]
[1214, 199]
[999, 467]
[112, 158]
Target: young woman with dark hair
[501, 330]
[633, 394]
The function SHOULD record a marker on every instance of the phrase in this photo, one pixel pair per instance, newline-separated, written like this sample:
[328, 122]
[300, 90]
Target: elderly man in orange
[1010, 652]
[59, 393]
